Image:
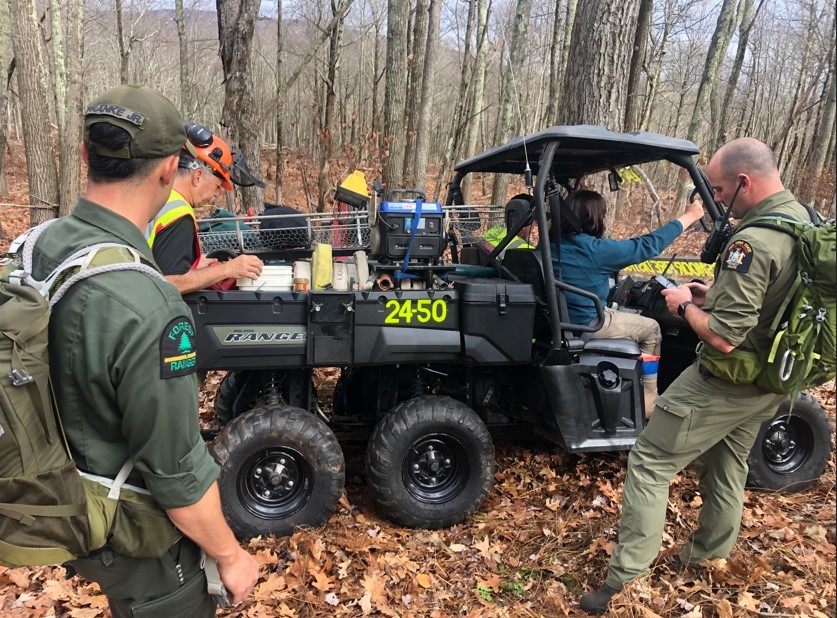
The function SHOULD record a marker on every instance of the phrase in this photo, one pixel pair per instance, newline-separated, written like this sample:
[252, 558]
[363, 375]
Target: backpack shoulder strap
[91, 261]
[778, 222]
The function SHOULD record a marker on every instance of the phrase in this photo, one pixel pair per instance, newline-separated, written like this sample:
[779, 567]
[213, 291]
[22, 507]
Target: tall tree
[748, 20]
[124, 50]
[643, 27]
[515, 52]
[596, 81]
[37, 132]
[824, 134]
[555, 76]
[185, 89]
[69, 128]
[423, 124]
[6, 68]
[236, 24]
[280, 86]
[415, 79]
[476, 98]
[338, 12]
[717, 50]
[569, 27]
[395, 92]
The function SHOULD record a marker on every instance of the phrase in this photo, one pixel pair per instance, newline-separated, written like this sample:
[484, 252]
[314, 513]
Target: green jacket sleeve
[160, 409]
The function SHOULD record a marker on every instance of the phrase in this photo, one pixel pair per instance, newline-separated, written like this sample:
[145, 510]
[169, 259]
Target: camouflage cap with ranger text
[154, 123]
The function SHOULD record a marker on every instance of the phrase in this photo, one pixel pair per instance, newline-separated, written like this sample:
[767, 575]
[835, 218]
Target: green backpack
[49, 513]
[802, 353]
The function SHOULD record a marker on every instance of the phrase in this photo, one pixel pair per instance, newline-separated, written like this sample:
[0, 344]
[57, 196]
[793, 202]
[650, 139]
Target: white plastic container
[272, 279]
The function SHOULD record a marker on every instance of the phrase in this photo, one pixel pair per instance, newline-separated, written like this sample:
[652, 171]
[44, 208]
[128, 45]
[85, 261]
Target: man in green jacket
[122, 351]
[703, 416]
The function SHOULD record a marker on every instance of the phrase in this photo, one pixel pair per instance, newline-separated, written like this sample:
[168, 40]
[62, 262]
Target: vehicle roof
[582, 150]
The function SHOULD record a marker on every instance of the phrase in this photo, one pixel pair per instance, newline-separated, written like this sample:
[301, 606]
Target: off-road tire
[265, 449]
[225, 398]
[792, 449]
[430, 463]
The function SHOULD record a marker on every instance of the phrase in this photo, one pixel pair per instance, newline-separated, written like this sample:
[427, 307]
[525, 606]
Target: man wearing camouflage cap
[122, 363]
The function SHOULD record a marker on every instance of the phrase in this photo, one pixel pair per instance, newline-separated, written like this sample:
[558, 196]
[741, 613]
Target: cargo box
[496, 318]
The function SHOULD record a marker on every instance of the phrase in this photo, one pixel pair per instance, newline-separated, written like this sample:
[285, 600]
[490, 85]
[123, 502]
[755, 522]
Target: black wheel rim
[436, 468]
[275, 483]
[788, 444]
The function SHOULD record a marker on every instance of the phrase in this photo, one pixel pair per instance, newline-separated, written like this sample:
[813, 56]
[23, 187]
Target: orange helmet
[226, 163]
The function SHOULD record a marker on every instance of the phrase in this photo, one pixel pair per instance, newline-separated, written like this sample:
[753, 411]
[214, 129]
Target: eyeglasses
[198, 134]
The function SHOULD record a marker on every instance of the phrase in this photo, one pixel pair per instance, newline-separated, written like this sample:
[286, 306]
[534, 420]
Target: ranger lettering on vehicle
[280, 336]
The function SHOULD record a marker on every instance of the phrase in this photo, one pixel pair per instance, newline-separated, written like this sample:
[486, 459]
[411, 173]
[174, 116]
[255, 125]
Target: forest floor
[541, 538]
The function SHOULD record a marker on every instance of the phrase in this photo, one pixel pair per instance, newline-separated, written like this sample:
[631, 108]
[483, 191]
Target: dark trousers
[172, 586]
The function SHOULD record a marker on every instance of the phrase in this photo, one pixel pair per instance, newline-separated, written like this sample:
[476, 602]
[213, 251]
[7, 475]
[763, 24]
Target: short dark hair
[104, 169]
[590, 209]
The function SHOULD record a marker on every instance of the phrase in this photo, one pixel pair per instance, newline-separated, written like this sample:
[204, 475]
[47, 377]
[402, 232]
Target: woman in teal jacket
[587, 261]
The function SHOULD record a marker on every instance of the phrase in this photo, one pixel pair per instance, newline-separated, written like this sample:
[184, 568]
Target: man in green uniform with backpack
[122, 359]
[713, 412]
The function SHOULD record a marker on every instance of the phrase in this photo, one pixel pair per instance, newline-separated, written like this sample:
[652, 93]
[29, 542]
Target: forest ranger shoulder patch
[738, 257]
[178, 354]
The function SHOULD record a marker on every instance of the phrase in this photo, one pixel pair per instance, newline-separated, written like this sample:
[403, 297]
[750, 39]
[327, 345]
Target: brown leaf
[424, 580]
[747, 601]
[724, 609]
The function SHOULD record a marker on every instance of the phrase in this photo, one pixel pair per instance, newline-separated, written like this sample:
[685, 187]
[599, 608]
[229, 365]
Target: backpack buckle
[20, 377]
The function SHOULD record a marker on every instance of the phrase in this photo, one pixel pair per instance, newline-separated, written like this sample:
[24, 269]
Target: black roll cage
[546, 161]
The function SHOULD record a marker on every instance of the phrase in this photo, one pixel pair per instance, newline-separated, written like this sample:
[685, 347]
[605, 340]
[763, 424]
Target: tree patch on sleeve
[178, 354]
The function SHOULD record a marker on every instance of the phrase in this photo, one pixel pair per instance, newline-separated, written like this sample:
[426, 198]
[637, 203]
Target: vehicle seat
[525, 264]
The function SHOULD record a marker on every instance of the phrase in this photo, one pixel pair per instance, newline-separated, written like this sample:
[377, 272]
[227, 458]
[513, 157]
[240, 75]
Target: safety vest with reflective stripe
[175, 209]
[494, 235]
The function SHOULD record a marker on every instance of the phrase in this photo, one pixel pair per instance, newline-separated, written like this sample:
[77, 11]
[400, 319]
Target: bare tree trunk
[423, 125]
[377, 75]
[37, 133]
[124, 50]
[69, 135]
[555, 78]
[59, 73]
[654, 75]
[477, 94]
[185, 89]
[6, 69]
[327, 133]
[280, 89]
[596, 83]
[236, 22]
[565, 55]
[516, 51]
[717, 50]
[398, 16]
[748, 19]
[457, 121]
[824, 132]
[415, 66]
[643, 26]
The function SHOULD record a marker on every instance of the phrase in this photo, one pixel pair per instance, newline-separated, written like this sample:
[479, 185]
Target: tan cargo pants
[627, 325]
[701, 419]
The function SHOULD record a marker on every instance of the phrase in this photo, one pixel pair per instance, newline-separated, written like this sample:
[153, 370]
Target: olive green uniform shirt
[111, 339]
[753, 276]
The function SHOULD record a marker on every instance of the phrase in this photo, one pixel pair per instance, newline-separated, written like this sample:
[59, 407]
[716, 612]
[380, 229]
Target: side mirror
[614, 179]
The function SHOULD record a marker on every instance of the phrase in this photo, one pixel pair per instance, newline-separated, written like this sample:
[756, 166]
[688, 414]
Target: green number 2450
[423, 310]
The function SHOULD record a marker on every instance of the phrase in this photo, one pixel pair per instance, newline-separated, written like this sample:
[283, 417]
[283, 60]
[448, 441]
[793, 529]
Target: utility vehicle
[451, 356]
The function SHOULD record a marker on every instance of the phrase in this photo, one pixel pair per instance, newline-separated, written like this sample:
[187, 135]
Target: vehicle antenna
[527, 172]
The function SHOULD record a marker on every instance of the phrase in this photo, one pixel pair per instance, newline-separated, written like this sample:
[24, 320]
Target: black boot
[597, 602]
